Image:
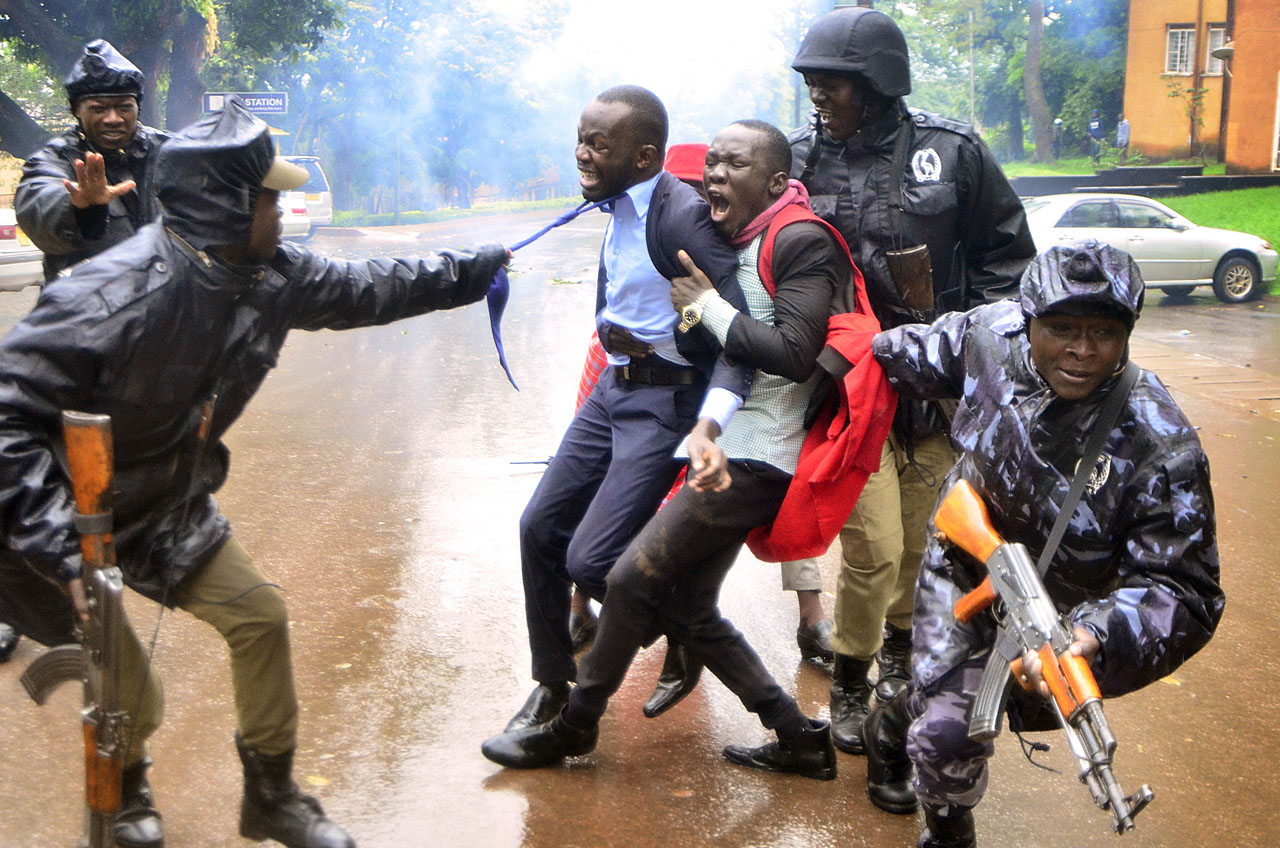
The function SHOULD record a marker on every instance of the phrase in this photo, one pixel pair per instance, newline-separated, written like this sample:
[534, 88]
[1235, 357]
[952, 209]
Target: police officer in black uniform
[934, 226]
[88, 189]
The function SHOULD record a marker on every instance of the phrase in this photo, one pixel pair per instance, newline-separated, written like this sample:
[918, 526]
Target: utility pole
[973, 120]
[1228, 38]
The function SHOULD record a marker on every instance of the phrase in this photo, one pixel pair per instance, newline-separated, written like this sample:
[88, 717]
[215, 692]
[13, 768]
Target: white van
[319, 198]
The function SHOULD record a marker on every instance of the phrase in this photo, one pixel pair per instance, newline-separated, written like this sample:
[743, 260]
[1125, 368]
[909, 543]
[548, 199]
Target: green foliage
[29, 83]
[1192, 101]
[1082, 66]
[1250, 210]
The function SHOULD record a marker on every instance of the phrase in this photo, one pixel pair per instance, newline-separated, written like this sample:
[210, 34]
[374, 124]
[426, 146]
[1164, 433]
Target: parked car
[319, 197]
[20, 260]
[295, 224]
[1173, 253]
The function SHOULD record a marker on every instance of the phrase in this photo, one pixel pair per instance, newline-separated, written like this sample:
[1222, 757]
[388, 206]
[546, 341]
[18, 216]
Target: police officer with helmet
[934, 226]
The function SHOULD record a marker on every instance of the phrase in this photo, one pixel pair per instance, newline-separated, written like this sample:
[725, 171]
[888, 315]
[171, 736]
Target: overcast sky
[711, 61]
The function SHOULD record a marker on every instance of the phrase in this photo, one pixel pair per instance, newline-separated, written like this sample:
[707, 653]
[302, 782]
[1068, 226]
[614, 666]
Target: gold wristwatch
[691, 315]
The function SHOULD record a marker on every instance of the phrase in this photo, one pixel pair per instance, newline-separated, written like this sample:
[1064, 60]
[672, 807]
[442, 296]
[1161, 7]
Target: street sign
[258, 102]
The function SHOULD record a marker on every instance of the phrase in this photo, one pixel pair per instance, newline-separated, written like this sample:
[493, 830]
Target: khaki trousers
[231, 594]
[883, 543]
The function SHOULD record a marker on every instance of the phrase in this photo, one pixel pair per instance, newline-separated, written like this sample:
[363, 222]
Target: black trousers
[668, 581]
[611, 471]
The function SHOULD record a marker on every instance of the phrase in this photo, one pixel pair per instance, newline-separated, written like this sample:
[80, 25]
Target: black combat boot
[679, 677]
[138, 824]
[894, 662]
[884, 735]
[954, 831]
[850, 691]
[808, 754]
[275, 808]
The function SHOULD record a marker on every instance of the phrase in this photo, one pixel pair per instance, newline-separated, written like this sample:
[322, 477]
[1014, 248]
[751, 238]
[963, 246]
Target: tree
[1080, 49]
[1042, 129]
[169, 41]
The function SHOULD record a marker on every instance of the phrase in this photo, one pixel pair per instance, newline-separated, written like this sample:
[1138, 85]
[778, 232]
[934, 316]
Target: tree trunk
[19, 135]
[149, 61]
[185, 87]
[1037, 105]
[1015, 130]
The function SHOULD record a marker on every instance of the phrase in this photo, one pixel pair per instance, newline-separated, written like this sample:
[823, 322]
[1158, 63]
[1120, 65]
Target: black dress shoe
[543, 704]
[815, 641]
[679, 677]
[536, 747]
[8, 641]
[884, 734]
[809, 754]
[138, 824]
[582, 628]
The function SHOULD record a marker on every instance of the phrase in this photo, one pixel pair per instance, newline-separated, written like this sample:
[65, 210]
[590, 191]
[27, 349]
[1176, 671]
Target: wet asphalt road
[373, 478]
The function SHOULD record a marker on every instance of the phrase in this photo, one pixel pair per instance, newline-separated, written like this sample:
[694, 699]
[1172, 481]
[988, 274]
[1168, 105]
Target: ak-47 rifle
[1029, 623]
[96, 661]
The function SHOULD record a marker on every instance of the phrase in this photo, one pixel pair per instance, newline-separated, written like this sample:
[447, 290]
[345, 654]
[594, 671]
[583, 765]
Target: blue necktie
[500, 288]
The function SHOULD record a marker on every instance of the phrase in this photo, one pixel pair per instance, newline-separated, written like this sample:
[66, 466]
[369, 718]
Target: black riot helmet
[858, 42]
[102, 70]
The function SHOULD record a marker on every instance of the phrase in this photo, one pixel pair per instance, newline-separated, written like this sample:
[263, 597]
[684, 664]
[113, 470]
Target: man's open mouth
[720, 206]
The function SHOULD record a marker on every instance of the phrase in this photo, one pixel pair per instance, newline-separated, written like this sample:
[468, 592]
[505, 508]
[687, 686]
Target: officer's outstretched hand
[90, 187]
[708, 466]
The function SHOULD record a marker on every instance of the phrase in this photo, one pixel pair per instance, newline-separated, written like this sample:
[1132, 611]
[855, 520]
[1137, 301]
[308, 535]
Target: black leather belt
[658, 376]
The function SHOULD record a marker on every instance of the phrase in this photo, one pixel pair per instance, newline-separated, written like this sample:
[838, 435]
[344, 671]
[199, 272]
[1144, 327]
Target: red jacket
[843, 446]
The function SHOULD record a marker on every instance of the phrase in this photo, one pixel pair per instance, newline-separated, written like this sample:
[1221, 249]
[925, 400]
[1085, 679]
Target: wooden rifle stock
[90, 459]
[963, 519]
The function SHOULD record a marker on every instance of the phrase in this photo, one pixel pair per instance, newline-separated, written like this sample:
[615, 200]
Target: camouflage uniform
[1138, 564]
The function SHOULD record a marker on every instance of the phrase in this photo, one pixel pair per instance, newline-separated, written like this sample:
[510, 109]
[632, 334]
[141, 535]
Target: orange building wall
[1251, 121]
[1159, 124]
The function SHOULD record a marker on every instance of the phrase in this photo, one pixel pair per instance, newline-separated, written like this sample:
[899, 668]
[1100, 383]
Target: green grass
[1249, 210]
[1084, 165]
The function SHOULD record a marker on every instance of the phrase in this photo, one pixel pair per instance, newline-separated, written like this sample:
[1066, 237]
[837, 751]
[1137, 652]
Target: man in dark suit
[616, 460]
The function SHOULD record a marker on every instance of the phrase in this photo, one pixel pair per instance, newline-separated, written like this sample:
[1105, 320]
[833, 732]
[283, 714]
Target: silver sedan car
[1172, 252]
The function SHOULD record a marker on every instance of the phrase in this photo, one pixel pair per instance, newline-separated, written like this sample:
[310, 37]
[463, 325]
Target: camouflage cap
[1083, 274]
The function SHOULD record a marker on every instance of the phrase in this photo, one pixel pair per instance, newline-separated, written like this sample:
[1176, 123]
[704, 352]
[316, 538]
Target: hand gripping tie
[500, 288]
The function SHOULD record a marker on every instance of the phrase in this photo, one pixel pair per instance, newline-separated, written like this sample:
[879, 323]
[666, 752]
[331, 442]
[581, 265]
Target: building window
[1180, 49]
[1217, 37]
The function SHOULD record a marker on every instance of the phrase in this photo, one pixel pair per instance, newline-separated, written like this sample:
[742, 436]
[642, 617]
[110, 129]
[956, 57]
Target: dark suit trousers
[669, 580]
[610, 473]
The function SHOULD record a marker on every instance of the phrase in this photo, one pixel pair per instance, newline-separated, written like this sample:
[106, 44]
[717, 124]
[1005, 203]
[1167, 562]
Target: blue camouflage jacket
[1138, 564]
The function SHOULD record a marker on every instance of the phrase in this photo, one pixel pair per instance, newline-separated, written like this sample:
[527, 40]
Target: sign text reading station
[260, 102]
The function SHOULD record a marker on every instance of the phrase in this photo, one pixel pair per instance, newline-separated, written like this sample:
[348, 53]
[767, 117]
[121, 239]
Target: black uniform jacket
[68, 235]
[147, 333]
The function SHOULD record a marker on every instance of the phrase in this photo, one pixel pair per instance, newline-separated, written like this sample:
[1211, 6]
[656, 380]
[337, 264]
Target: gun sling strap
[1092, 450]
